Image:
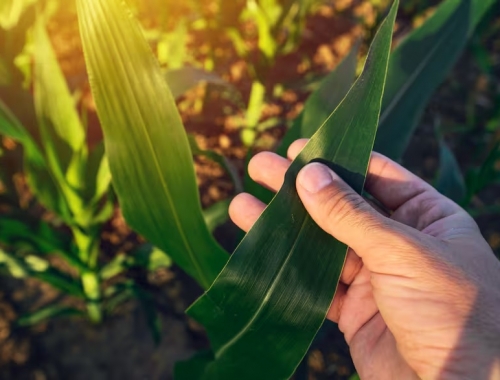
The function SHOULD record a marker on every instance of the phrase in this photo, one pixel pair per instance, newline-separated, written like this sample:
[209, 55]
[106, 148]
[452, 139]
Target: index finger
[387, 181]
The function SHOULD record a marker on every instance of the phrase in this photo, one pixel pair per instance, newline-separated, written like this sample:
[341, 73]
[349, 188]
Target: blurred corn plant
[279, 27]
[73, 183]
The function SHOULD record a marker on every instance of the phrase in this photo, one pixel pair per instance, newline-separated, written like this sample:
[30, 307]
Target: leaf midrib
[267, 295]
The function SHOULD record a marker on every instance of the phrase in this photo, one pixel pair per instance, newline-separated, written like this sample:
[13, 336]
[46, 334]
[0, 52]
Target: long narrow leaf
[275, 291]
[418, 66]
[61, 130]
[146, 145]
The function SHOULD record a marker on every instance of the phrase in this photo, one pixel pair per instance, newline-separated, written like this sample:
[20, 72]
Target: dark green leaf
[146, 145]
[266, 306]
[417, 67]
[450, 181]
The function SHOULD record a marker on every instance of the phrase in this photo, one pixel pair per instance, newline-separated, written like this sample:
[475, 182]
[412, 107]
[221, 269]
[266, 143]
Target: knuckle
[345, 206]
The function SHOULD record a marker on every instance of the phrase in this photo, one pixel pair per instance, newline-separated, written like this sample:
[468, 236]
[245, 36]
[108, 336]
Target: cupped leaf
[146, 145]
[417, 67]
[273, 295]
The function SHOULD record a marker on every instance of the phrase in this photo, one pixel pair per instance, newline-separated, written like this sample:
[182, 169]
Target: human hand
[419, 296]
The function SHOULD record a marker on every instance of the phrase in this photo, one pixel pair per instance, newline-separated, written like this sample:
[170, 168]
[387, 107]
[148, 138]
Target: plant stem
[88, 251]
[92, 288]
[253, 113]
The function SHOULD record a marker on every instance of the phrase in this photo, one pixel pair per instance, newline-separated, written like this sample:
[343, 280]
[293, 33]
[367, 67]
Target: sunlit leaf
[264, 309]
[61, 130]
[146, 145]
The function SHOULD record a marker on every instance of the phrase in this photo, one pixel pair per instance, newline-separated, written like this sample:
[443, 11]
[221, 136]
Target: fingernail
[315, 177]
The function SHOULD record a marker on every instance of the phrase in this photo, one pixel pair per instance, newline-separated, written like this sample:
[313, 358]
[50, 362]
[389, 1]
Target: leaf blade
[157, 188]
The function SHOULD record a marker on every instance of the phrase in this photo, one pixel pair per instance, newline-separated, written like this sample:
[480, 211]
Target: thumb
[343, 213]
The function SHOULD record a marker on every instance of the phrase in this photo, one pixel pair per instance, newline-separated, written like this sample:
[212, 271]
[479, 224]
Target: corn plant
[73, 183]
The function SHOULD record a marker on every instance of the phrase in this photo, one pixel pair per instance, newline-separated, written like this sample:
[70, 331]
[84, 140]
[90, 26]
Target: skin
[419, 296]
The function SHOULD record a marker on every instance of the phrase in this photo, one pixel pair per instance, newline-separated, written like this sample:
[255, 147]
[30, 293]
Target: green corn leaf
[450, 180]
[417, 67]
[146, 145]
[48, 312]
[61, 130]
[40, 178]
[273, 295]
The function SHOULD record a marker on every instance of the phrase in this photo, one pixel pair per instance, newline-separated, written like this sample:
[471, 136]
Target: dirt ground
[122, 348]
